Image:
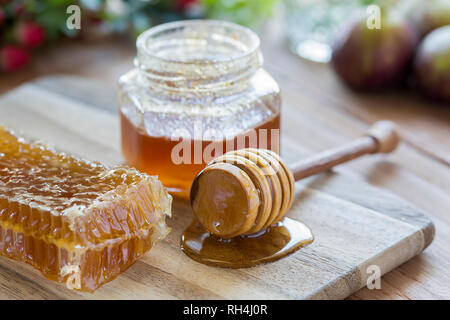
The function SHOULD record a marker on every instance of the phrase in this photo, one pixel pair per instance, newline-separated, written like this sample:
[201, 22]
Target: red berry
[13, 58]
[182, 5]
[30, 34]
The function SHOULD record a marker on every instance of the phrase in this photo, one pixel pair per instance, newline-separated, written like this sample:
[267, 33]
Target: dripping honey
[154, 154]
[279, 240]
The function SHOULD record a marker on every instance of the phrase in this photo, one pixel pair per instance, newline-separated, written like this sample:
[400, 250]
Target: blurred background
[372, 58]
[341, 65]
[378, 44]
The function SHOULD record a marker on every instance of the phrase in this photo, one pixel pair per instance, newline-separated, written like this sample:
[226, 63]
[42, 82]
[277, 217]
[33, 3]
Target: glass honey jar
[197, 91]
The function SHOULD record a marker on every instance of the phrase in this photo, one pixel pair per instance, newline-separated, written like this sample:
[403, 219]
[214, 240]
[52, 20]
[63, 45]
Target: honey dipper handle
[382, 137]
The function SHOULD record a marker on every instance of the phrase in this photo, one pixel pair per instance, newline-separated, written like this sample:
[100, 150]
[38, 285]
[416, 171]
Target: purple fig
[430, 14]
[432, 64]
[375, 58]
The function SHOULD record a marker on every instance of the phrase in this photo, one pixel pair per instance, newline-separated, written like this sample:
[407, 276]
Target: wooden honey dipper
[245, 191]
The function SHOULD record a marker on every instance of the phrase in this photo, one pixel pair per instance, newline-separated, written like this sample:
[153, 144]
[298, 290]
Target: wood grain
[318, 113]
[355, 225]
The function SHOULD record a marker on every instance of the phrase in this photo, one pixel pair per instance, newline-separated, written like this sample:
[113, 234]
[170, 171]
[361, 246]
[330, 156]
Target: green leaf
[246, 12]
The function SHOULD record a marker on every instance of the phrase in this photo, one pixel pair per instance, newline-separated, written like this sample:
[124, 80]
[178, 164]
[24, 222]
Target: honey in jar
[198, 90]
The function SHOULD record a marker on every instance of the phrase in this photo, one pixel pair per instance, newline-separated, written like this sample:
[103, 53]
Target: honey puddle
[274, 243]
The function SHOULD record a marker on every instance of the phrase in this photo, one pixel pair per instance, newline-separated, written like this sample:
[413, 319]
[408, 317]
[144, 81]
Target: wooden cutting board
[355, 225]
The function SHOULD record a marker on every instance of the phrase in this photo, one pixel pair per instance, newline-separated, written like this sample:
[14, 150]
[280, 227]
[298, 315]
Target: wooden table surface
[418, 171]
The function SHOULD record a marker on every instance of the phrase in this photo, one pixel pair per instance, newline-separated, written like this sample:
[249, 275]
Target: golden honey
[154, 154]
[200, 83]
[278, 241]
[76, 221]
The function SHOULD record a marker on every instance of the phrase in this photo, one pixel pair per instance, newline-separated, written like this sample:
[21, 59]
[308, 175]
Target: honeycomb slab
[76, 221]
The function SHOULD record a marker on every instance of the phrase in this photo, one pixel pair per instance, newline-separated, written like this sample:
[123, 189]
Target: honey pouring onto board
[241, 198]
[82, 223]
[199, 88]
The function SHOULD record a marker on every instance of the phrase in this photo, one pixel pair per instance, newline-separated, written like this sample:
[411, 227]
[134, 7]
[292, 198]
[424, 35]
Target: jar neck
[202, 77]
[198, 56]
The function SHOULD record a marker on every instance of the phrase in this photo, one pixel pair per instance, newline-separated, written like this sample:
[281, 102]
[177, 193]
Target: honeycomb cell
[76, 221]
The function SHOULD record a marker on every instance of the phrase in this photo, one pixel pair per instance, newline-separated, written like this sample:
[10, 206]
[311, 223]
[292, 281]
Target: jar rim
[201, 23]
